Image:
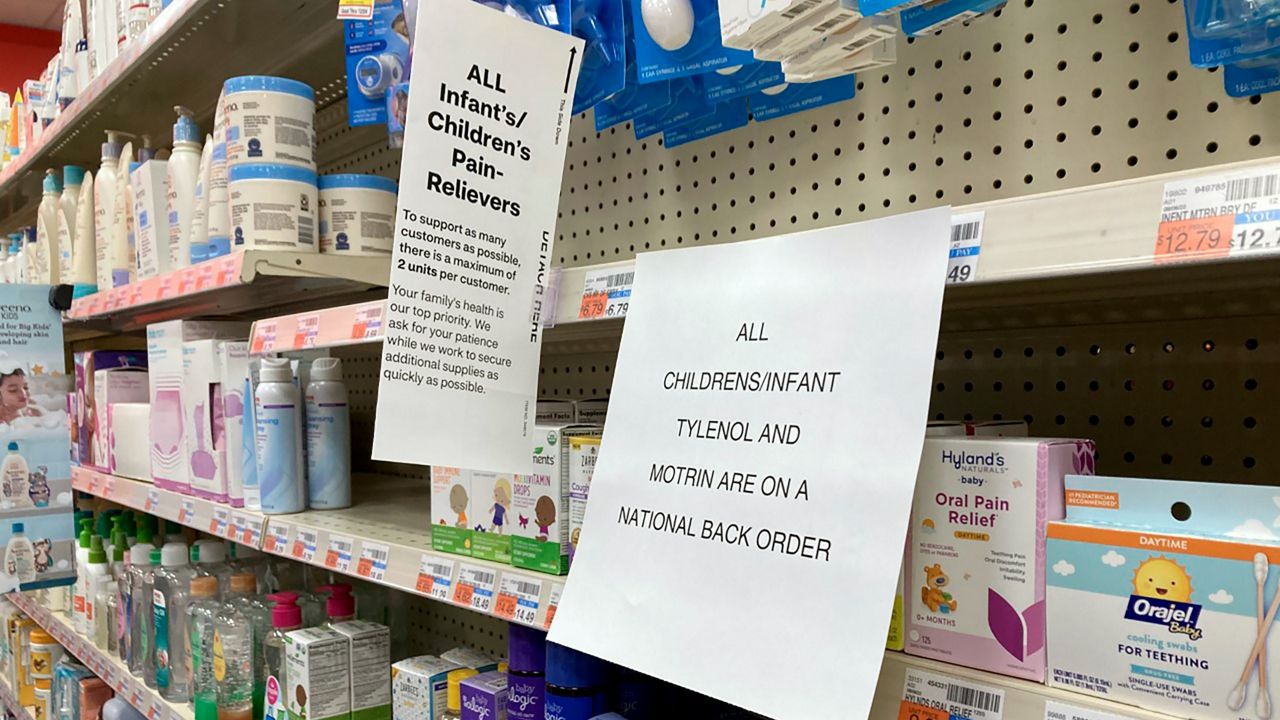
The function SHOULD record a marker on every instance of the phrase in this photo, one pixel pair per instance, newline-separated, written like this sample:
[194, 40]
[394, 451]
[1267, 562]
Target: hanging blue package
[741, 80]
[688, 102]
[553, 14]
[1246, 42]
[798, 97]
[678, 38]
[925, 19]
[728, 115]
[1253, 77]
[632, 100]
[377, 58]
[604, 59]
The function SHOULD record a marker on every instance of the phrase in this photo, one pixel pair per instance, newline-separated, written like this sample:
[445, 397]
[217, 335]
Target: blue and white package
[925, 19]
[1253, 77]
[632, 100]
[798, 97]
[1249, 43]
[741, 80]
[728, 115]
[688, 102]
[553, 14]
[604, 58]
[377, 58]
[677, 38]
[397, 113]
[876, 7]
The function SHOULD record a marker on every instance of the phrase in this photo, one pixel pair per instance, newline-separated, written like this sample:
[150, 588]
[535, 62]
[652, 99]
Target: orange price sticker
[505, 607]
[593, 305]
[462, 594]
[365, 567]
[424, 584]
[1195, 239]
[298, 548]
[551, 615]
[331, 559]
[914, 711]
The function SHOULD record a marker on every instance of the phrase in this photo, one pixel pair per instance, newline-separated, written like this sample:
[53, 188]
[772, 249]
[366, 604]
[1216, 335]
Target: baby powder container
[44, 653]
[273, 207]
[357, 214]
[43, 690]
[270, 120]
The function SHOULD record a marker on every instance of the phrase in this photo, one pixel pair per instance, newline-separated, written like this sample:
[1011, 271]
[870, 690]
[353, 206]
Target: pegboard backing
[1043, 96]
[435, 627]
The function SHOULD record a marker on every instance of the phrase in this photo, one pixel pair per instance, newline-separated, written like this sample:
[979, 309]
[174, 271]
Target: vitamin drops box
[975, 560]
[1163, 594]
[540, 506]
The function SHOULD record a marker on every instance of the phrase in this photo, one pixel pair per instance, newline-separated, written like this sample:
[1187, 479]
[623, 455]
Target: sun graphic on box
[1160, 577]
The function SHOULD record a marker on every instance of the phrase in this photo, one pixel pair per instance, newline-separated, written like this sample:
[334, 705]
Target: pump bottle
[285, 616]
[72, 179]
[183, 174]
[48, 221]
[104, 207]
[84, 252]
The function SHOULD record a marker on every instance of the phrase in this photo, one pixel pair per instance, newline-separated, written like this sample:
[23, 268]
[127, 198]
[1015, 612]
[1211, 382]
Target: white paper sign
[485, 138]
[752, 492]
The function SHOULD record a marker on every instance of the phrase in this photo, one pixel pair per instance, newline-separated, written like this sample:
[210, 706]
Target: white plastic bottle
[197, 243]
[99, 573]
[49, 220]
[16, 479]
[168, 614]
[4, 264]
[278, 436]
[104, 206]
[120, 252]
[217, 218]
[328, 437]
[82, 575]
[84, 253]
[72, 180]
[183, 174]
[20, 555]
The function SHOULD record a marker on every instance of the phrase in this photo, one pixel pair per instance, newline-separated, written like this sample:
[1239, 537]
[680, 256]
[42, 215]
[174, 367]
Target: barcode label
[800, 9]
[304, 545]
[966, 245]
[218, 525]
[1252, 188]
[475, 588]
[965, 231]
[833, 22]
[277, 538]
[954, 696]
[373, 561]
[435, 577]
[339, 555]
[153, 500]
[606, 293]
[518, 598]
[187, 512]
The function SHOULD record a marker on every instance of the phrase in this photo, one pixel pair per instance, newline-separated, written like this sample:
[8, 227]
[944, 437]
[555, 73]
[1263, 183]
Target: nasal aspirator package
[1162, 594]
[377, 59]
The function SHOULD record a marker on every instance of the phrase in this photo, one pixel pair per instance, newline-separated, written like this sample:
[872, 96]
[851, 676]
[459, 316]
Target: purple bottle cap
[526, 649]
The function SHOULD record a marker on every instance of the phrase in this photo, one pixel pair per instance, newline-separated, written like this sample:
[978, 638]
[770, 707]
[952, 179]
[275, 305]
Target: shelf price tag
[606, 293]
[305, 331]
[373, 561]
[304, 545]
[966, 243]
[247, 531]
[153, 500]
[108, 485]
[277, 537]
[339, 555]
[518, 598]
[435, 576]
[552, 603]
[952, 696]
[1225, 215]
[475, 587]
[219, 522]
[93, 484]
[368, 322]
[1062, 711]
[264, 337]
[187, 511]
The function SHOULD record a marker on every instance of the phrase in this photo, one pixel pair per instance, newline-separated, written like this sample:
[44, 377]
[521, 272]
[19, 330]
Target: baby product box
[419, 687]
[206, 436]
[491, 501]
[233, 362]
[111, 386]
[1161, 595]
[484, 696]
[450, 509]
[169, 427]
[541, 502]
[318, 662]
[583, 451]
[592, 412]
[129, 427]
[895, 641]
[555, 412]
[975, 569]
[370, 653]
[84, 423]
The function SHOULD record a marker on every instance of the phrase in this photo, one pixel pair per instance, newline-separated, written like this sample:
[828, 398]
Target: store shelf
[1022, 699]
[241, 282]
[10, 700]
[384, 538]
[107, 666]
[183, 58]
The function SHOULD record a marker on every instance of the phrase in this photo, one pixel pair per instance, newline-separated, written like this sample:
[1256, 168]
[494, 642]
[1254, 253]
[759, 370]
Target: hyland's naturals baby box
[1162, 594]
[975, 563]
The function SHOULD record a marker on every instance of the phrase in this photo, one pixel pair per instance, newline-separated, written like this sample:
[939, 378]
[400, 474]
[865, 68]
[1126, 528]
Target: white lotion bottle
[84, 253]
[183, 175]
[49, 219]
[72, 179]
[20, 555]
[120, 255]
[328, 437]
[278, 437]
[194, 247]
[104, 204]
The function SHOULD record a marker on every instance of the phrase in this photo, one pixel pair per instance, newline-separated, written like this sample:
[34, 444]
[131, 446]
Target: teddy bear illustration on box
[933, 595]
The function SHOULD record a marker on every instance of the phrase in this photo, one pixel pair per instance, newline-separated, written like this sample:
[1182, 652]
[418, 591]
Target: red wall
[24, 53]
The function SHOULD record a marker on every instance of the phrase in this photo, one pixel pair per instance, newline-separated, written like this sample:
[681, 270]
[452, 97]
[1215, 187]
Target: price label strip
[518, 598]
[552, 603]
[475, 587]
[923, 691]
[373, 561]
[434, 577]
[304, 545]
[966, 244]
[606, 293]
[277, 538]
[1221, 216]
[339, 555]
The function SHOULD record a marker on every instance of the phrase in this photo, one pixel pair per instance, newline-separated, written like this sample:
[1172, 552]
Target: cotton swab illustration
[1235, 700]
